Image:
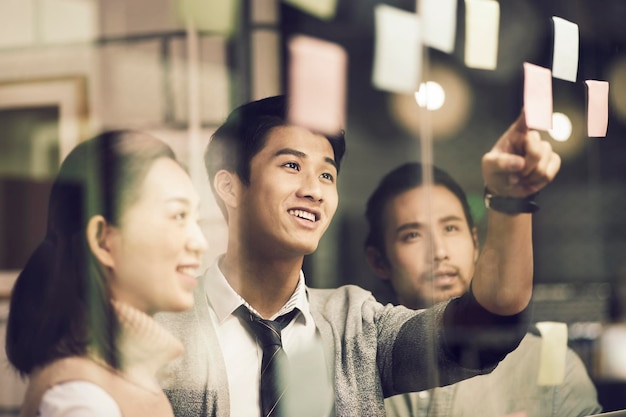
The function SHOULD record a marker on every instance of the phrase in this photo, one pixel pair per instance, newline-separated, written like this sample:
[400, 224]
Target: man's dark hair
[243, 135]
[396, 182]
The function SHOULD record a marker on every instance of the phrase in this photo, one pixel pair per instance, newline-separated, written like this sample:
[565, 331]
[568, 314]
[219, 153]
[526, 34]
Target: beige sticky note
[397, 50]
[317, 84]
[218, 16]
[565, 51]
[597, 108]
[553, 352]
[324, 9]
[537, 97]
[438, 19]
[482, 24]
[517, 414]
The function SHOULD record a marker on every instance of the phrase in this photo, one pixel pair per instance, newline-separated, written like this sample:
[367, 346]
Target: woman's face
[155, 249]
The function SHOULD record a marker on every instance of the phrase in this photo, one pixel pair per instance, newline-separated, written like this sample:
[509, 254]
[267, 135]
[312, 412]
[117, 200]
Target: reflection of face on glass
[152, 255]
[428, 259]
[292, 195]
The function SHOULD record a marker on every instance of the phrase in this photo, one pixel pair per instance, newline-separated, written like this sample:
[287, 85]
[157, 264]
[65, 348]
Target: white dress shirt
[243, 355]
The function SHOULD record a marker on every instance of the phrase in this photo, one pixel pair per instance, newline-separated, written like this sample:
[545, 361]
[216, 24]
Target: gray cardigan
[373, 351]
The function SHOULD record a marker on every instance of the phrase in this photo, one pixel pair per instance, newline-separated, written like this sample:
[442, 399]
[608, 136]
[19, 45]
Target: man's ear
[99, 240]
[378, 262]
[228, 187]
[476, 245]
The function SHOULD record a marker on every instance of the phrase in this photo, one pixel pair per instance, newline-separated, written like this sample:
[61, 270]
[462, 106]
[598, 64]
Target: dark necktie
[267, 333]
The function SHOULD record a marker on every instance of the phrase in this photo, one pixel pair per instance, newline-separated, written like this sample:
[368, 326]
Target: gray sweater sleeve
[464, 340]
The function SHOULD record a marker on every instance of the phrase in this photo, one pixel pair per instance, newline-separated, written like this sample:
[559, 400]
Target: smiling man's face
[292, 195]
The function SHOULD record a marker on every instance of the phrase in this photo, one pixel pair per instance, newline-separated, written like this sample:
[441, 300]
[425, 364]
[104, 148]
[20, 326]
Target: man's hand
[520, 163]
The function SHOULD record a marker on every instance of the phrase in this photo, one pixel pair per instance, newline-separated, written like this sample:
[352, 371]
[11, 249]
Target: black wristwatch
[510, 205]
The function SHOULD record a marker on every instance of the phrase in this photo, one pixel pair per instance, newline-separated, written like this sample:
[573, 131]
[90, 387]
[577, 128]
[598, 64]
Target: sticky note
[397, 50]
[565, 51]
[482, 23]
[537, 97]
[517, 414]
[438, 19]
[311, 390]
[597, 108]
[610, 348]
[214, 16]
[553, 352]
[317, 84]
[324, 9]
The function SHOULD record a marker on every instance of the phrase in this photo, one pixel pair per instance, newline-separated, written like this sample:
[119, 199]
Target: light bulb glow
[561, 127]
[430, 95]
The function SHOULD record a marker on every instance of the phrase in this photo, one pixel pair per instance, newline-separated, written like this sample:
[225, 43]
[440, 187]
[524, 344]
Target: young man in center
[428, 257]
[276, 184]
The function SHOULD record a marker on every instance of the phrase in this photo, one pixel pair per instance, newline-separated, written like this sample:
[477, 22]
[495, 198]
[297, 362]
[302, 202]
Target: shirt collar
[225, 299]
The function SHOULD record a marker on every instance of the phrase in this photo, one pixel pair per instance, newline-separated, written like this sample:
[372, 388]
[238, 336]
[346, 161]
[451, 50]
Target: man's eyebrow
[451, 218]
[407, 226]
[289, 151]
[417, 225]
[332, 162]
[300, 154]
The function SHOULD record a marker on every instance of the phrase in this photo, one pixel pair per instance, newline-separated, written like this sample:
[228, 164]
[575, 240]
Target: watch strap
[510, 205]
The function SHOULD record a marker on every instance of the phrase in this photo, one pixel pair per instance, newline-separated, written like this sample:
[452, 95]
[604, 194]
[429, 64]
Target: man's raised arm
[519, 165]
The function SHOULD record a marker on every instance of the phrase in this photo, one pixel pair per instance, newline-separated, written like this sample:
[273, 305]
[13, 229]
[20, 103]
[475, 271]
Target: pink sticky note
[537, 97]
[597, 108]
[317, 84]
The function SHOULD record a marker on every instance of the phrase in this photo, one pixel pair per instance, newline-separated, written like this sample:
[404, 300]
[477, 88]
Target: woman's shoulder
[78, 398]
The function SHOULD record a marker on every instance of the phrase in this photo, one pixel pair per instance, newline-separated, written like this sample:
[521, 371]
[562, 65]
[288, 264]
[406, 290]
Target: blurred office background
[70, 68]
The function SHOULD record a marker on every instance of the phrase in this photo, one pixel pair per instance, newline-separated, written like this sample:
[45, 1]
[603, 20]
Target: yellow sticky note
[537, 97]
[482, 24]
[397, 51]
[317, 84]
[324, 9]
[553, 352]
[217, 16]
[597, 108]
[438, 23]
[565, 51]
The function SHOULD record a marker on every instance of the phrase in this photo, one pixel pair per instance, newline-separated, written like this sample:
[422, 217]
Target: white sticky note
[565, 52]
[537, 97]
[438, 19]
[397, 50]
[317, 84]
[311, 390]
[214, 16]
[324, 9]
[482, 25]
[553, 352]
[597, 108]
[610, 352]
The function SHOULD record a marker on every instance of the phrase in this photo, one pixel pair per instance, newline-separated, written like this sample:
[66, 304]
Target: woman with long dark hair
[122, 243]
